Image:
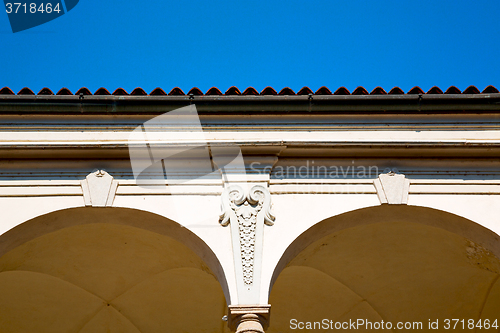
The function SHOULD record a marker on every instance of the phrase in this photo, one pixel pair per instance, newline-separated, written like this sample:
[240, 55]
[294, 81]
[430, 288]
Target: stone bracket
[247, 209]
[249, 318]
[392, 188]
[99, 189]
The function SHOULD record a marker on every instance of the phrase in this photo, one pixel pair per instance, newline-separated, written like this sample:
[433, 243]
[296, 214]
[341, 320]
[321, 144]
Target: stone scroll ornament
[247, 213]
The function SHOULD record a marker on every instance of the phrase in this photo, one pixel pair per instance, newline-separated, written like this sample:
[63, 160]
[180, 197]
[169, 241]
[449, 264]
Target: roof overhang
[330, 104]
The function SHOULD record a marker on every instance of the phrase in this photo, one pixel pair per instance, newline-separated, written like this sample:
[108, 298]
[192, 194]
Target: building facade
[253, 212]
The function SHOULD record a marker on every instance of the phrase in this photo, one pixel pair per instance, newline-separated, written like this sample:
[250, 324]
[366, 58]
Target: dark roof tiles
[25, 91]
[305, 91]
[6, 91]
[342, 91]
[396, 91]
[452, 90]
[416, 91]
[378, 91]
[323, 91]
[138, 92]
[232, 91]
[64, 92]
[268, 91]
[286, 91]
[45, 91]
[213, 92]
[195, 91]
[250, 91]
[434, 90]
[490, 90]
[83, 91]
[471, 90]
[174, 92]
[360, 91]
[120, 92]
[102, 92]
[159, 92]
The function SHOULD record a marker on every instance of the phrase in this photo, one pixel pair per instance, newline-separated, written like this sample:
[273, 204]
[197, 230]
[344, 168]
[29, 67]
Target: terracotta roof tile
[360, 91]
[490, 90]
[138, 92]
[195, 91]
[416, 91]
[64, 92]
[342, 91]
[159, 92]
[45, 91]
[213, 92]
[6, 91]
[120, 92]
[232, 91]
[378, 91]
[102, 92]
[452, 90]
[250, 91]
[268, 91]
[83, 91]
[25, 91]
[286, 91]
[396, 91]
[435, 90]
[305, 91]
[471, 90]
[323, 91]
[174, 92]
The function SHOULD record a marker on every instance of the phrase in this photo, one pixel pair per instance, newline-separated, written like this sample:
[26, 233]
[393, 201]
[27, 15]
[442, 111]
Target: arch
[392, 263]
[135, 218]
[371, 215]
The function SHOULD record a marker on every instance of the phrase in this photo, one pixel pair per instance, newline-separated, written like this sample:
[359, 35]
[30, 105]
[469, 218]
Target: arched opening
[108, 270]
[388, 263]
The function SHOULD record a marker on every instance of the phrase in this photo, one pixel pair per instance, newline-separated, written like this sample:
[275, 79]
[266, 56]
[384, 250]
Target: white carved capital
[234, 197]
[99, 189]
[392, 188]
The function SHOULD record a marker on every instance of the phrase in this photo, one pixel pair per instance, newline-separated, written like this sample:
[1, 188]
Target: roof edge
[140, 104]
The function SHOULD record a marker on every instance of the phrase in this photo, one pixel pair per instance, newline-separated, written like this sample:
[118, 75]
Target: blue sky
[166, 44]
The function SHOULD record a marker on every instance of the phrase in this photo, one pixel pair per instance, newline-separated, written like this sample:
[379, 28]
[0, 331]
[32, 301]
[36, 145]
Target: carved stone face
[247, 212]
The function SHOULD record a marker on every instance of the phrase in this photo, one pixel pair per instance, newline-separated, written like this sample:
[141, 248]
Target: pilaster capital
[249, 318]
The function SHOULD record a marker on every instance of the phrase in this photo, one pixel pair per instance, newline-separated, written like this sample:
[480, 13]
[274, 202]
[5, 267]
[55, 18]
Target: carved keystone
[99, 189]
[392, 188]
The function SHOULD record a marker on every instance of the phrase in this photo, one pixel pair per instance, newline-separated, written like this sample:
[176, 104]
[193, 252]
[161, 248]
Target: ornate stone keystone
[249, 318]
[99, 189]
[392, 188]
[247, 212]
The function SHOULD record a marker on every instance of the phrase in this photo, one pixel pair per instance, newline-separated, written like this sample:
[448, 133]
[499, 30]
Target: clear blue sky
[166, 44]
